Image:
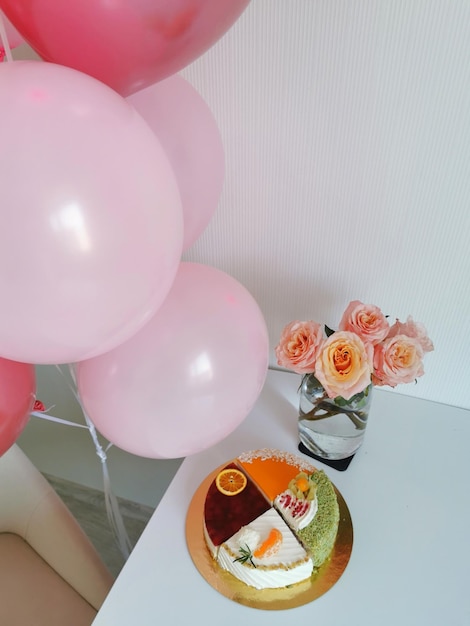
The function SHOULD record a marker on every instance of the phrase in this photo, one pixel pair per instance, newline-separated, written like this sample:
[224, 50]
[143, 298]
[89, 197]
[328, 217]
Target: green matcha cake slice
[319, 536]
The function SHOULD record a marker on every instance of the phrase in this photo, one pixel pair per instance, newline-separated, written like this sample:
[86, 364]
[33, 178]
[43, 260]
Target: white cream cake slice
[265, 554]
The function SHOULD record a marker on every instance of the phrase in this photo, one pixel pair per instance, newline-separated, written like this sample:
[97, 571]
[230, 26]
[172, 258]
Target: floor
[88, 507]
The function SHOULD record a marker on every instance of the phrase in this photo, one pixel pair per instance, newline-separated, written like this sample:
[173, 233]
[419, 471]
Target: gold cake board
[304, 592]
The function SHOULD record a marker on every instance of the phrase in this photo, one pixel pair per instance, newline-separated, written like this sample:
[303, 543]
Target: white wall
[346, 128]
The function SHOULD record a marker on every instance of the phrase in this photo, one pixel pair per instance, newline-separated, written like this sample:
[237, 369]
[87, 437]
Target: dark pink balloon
[17, 395]
[126, 44]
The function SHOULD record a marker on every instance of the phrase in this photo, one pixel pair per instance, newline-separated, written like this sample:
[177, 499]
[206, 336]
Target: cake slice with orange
[287, 480]
[270, 518]
[298, 504]
[272, 470]
[265, 554]
[233, 500]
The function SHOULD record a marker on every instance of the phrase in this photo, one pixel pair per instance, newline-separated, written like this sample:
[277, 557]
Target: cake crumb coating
[320, 535]
[276, 455]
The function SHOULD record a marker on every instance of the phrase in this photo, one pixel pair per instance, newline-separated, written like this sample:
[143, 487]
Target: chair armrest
[30, 508]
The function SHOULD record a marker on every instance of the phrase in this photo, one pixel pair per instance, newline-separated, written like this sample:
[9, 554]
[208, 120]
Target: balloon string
[112, 506]
[58, 420]
[4, 39]
[111, 503]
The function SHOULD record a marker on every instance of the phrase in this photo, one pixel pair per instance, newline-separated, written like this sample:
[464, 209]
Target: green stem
[355, 416]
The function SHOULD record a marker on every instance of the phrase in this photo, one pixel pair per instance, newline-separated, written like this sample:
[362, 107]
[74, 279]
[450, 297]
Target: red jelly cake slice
[233, 500]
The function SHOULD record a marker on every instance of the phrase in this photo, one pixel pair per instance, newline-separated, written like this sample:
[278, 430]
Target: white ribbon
[58, 420]
[112, 506]
[4, 39]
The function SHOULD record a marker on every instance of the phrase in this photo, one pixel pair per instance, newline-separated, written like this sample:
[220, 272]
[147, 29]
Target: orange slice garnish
[270, 545]
[230, 482]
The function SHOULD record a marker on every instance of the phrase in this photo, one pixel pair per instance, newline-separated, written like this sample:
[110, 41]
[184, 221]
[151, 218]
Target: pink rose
[298, 346]
[344, 365]
[412, 329]
[398, 360]
[366, 320]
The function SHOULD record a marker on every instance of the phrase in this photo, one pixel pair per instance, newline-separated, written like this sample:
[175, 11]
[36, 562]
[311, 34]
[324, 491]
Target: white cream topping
[248, 538]
[297, 513]
[290, 565]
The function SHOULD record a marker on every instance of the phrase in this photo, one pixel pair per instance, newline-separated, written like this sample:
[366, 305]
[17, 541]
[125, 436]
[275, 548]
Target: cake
[270, 518]
[320, 534]
[226, 511]
[265, 554]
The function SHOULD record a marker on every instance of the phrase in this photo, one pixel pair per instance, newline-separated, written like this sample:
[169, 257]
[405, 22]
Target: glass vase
[331, 428]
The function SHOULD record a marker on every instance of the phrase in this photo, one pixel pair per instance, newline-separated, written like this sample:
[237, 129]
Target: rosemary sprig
[246, 555]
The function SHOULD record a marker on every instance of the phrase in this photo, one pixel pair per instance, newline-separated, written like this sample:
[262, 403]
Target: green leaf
[245, 555]
[328, 331]
[359, 397]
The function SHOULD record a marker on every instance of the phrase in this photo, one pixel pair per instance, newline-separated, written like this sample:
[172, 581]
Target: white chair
[50, 573]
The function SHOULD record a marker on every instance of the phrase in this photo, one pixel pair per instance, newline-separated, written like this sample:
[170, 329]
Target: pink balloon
[91, 217]
[189, 377]
[17, 395]
[189, 134]
[14, 39]
[126, 44]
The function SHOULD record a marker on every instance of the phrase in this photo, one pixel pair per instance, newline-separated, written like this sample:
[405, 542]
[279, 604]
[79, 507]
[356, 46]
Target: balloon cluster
[112, 165]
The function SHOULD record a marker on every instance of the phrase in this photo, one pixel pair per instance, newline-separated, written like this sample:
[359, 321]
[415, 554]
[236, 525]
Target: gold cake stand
[290, 597]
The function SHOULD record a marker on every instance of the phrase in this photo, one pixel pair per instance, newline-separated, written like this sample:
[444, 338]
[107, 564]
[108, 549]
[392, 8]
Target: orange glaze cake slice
[272, 470]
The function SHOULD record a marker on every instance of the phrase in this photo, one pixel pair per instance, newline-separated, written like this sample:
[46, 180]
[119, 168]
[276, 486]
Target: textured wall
[346, 128]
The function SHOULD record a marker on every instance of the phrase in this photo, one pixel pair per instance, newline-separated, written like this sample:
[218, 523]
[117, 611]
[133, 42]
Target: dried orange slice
[230, 481]
[270, 545]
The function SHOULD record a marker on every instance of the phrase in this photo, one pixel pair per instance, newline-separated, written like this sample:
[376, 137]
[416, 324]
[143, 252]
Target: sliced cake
[270, 518]
[298, 504]
[272, 470]
[265, 554]
[319, 535]
[233, 500]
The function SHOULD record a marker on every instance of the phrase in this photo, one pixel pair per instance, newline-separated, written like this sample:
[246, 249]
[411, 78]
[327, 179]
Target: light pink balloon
[189, 377]
[127, 44]
[91, 217]
[189, 134]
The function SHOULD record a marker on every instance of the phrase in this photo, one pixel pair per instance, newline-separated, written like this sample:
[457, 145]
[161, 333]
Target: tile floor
[88, 507]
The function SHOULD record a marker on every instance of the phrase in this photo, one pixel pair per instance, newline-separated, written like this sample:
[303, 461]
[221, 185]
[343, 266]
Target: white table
[407, 490]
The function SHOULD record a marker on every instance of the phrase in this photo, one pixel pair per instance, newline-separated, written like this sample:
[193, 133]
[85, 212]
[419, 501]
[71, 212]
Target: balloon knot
[101, 454]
